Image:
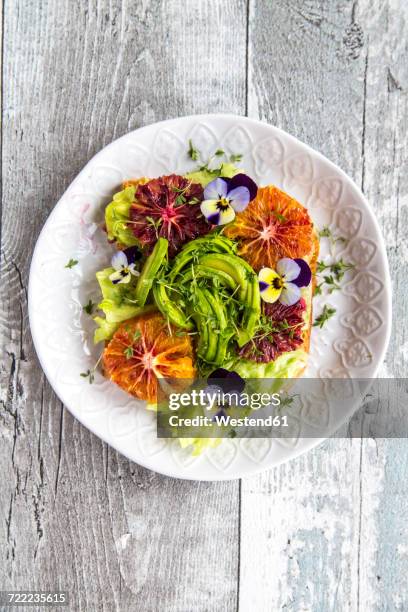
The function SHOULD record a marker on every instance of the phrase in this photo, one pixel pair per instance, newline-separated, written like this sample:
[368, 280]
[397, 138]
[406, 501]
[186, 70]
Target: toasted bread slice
[309, 291]
[135, 182]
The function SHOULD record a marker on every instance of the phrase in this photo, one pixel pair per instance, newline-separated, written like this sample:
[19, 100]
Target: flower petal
[226, 216]
[216, 190]
[218, 373]
[270, 294]
[227, 381]
[214, 219]
[288, 268]
[239, 198]
[126, 279]
[133, 254]
[305, 276]
[119, 260]
[209, 207]
[234, 383]
[215, 214]
[242, 180]
[267, 275]
[132, 270]
[121, 276]
[116, 277]
[290, 294]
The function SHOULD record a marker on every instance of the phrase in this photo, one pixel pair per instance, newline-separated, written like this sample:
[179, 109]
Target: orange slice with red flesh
[273, 226]
[142, 350]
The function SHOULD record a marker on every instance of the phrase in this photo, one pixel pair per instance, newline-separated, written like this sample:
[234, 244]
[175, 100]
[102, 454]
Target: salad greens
[327, 313]
[117, 217]
[118, 304]
[89, 307]
[206, 289]
[287, 365]
[71, 263]
[150, 270]
[210, 285]
[205, 175]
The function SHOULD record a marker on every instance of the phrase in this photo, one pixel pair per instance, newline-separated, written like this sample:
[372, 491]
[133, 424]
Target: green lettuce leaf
[116, 305]
[104, 330]
[205, 176]
[229, 170]
[287, 365]
[117, 217]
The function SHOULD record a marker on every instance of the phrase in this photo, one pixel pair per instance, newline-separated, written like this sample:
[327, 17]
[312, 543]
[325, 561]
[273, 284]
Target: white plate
[353, 343]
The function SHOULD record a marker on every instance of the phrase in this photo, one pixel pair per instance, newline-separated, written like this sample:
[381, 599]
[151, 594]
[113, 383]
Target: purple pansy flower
[243, 180]
[305, 275]
[285, 283]
[224, 197]
[228, 381]
[124, 264]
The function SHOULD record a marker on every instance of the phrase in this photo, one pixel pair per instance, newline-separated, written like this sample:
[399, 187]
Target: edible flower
[285, 283]
[224, 197]
[124, 264]
[225, 382]
[229, 381]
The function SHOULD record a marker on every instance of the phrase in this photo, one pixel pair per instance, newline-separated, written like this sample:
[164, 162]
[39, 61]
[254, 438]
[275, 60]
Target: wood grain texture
[329, 525]
[324, 532]
[74, 514]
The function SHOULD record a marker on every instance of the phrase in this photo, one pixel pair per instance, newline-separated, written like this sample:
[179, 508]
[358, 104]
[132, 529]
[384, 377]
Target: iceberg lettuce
[105, 330]
[205, 176]
[287, 365]
[116, 305]
[117, 217]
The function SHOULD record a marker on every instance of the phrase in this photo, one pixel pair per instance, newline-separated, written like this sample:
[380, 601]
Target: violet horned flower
[224, 197]
[285, 283]
[228, 380]
[124, 264]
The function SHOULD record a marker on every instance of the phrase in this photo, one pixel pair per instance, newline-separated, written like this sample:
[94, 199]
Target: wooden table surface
[325, 532]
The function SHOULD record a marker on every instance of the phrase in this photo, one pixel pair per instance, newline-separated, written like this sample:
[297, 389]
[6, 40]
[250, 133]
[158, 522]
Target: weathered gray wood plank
[383, 561]
[328, 526]
[74, 514]
[325, 532]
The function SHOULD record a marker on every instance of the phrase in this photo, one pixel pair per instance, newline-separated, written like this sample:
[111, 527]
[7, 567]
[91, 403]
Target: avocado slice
[152, 265]
[169, 308]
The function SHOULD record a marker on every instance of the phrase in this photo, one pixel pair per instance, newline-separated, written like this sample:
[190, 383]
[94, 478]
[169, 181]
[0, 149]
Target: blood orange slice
[143, 350]
[273, 226]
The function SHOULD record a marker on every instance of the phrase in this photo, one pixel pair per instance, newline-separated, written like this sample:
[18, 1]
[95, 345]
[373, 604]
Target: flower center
[277, 283]
[222, 204]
